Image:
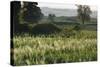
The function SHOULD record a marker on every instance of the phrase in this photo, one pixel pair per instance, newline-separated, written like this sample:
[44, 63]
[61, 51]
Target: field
[80, 47]
[42, 34]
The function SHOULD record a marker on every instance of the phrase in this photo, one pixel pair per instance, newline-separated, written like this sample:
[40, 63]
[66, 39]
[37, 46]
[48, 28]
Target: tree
[32, 13]
[51, 17]
[84, 12]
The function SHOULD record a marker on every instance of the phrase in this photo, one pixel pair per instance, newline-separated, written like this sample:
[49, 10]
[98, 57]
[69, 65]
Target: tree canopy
[28, 12]
[84, 12]
[32, 13]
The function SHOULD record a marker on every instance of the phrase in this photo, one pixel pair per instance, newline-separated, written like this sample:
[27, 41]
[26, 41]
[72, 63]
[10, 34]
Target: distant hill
[63, 12]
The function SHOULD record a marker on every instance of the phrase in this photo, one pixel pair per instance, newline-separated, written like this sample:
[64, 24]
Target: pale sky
[63, 5]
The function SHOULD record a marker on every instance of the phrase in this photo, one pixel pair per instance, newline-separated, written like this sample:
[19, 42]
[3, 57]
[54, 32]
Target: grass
[30, 50]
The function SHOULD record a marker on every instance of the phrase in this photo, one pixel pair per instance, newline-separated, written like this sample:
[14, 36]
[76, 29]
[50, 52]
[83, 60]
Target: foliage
[29, 13]
[76, 27]
[32, 13]
[84, 12]
[45, 28]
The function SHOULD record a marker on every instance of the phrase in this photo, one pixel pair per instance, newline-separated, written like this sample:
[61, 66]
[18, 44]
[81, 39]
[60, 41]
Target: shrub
[76, 27]
[45, 28]
[21, 28]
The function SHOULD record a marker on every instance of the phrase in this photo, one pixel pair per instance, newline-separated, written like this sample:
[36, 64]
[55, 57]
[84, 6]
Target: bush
[21, 28]
[45, 28]
[76, 27]
[67, 32]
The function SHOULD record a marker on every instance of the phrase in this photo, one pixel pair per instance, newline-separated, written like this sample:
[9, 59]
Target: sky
[63, 6]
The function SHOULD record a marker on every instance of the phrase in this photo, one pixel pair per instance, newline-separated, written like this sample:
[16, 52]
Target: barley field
[42, 49]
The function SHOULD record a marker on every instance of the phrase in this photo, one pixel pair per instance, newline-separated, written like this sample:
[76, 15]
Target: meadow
[52, 36]
[75, 46]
